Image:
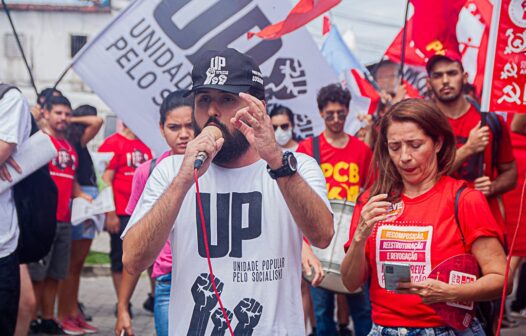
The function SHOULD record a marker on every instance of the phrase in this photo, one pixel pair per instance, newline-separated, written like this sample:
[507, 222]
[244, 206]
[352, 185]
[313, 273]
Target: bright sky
[374, 23]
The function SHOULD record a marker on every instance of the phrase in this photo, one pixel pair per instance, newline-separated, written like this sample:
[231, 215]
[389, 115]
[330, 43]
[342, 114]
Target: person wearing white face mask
[283, 122]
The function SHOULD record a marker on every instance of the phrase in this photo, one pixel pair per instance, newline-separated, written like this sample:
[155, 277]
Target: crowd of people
[428, 180]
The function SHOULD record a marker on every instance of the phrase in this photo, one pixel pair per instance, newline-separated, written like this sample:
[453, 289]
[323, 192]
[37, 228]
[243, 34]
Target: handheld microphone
[202, 156]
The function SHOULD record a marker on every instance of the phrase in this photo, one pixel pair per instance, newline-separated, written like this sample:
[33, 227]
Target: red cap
[450, 55]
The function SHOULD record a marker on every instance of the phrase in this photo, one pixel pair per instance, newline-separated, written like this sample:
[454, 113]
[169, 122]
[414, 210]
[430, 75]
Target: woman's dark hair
[432, 122]
[282, 110]
[333, 93]
[174, 100]
[75, 131]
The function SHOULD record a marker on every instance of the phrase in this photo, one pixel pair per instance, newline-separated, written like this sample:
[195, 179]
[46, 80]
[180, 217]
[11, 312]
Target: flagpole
[19, 44]
[404, 38]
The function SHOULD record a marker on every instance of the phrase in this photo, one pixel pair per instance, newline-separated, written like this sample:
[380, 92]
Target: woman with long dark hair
[85, 124]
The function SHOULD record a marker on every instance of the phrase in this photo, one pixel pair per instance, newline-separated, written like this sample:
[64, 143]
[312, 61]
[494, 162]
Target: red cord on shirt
[205, 238]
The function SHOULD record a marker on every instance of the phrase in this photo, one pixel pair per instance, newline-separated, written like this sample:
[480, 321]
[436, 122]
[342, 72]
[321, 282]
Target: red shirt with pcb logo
[127, 156]
[421, 232]
[346, 169]
[62, 170]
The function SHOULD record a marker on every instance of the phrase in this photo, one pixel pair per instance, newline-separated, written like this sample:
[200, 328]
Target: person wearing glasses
[344, 160]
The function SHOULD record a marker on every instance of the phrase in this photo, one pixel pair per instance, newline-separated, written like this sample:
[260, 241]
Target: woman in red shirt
[408, 217]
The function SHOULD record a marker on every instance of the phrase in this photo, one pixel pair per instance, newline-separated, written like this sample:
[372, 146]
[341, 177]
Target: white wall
[47, 48]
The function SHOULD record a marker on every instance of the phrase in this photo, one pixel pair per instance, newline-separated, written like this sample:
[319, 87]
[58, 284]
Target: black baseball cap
[227, 70]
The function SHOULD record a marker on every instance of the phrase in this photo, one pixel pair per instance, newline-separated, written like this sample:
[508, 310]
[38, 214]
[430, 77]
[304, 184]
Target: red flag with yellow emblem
[434, 25]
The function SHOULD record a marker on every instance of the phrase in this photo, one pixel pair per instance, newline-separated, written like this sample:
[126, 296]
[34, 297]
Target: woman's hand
[372, 212]
[430, 290]
[308, 260]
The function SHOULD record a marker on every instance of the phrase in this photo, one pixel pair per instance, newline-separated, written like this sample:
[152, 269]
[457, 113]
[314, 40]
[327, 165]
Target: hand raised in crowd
[372, 212]
[483, 184]
[254, 122]
[365, 118]
[36, 111]
[112, 223]
[478, 138]
[430, 290]
[310, 263]
[4, 172]
[123, 323]
[386, 98]
[401, 93]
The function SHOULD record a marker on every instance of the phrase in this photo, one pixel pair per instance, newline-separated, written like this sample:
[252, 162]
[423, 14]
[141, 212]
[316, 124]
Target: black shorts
[9, 293]
[116, 246]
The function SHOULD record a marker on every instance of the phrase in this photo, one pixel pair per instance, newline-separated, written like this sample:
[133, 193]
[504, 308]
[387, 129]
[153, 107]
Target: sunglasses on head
[284, 127]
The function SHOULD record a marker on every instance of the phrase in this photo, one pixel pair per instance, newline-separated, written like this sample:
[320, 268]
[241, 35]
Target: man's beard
[449, 98]
[234, 146]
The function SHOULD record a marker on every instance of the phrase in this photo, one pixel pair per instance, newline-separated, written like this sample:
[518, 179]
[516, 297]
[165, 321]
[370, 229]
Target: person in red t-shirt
[487, 165]
[474, 161]
[408, 217]
[513, 202]
[53, 268]
[128, 153]
[344, 161]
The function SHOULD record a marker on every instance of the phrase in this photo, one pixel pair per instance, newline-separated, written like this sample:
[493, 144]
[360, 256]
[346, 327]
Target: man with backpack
[15, 126]
[484, 157]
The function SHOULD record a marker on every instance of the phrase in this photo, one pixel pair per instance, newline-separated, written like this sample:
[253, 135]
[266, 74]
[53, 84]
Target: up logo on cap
[215, 74]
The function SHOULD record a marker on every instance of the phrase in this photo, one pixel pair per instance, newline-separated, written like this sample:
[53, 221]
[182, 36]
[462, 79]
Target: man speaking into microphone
[258, 202]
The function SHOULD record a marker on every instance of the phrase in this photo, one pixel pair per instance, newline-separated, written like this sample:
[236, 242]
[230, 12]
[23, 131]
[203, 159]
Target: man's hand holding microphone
[200, 153]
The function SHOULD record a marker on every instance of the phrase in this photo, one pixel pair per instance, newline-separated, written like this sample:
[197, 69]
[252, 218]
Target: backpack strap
[316, 148]
[495, 126]
[4, 88]
[492, 120]
[457, 220]
[152, 166]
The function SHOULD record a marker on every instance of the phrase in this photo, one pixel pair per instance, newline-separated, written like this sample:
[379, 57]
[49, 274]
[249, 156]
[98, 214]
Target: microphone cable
[506, 274]
[205, 238]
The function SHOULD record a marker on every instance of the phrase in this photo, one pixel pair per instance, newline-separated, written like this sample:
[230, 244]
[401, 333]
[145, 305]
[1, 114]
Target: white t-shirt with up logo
[255, 249]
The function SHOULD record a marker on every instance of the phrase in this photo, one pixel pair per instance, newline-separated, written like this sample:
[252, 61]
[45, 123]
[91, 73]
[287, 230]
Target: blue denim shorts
[86, 229]
[474, 329]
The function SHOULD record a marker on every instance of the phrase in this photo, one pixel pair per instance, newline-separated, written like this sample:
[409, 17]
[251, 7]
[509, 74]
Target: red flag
[434, 25]
[505, 89]
[304, 12]
[410, 90]
[365, 90]
[472, 31]
[431, 30]
[413, 56]
[326, 25]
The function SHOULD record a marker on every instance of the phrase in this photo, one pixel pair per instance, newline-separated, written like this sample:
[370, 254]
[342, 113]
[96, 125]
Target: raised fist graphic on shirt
[220, 326]
[205, 300]
[248, 312]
